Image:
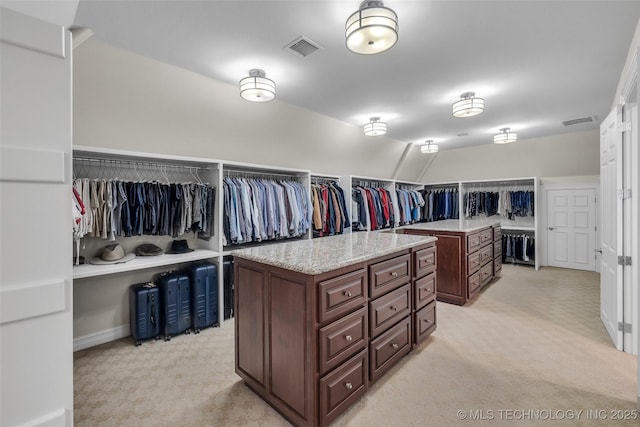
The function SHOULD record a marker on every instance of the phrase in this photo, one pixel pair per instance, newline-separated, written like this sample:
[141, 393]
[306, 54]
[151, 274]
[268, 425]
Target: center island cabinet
[319, 320]
[469, 255]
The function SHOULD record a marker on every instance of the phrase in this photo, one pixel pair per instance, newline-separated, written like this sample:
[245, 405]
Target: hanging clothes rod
[135, 163]
[240, 173]
[321, 180]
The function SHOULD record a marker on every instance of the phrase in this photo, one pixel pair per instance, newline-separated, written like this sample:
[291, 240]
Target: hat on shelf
[179, 247]
[112, 254]
[148, 249]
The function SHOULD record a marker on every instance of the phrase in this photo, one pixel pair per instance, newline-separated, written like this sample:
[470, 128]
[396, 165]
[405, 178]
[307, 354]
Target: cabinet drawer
[473, 263]
[486, 236]
[425, 322]
[388, 309]
[486, 273]
[387, 275]
[425, 290]
[341, 294]
[425, 261]
[473, 284]
[497, 265]
[497, 248]
[343, 386]
[473, 242]
[497, 234]
[388, 348]
[342, 338]
[486, 254]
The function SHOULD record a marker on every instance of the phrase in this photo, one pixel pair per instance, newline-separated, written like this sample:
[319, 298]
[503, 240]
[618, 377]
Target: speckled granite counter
[318, 256]
[465, 226]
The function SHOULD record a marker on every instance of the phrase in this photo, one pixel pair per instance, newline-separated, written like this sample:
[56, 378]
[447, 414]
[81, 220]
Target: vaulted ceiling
[536, 63]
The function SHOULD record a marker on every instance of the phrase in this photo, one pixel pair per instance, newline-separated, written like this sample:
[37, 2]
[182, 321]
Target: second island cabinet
[311, 342]
[466, 256]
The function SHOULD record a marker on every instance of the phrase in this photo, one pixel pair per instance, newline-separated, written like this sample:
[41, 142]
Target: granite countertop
[465, 226]
[325, 254]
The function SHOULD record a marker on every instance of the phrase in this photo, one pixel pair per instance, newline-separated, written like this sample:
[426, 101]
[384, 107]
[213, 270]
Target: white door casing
[611, 279]
[571, 230]
[629, 115]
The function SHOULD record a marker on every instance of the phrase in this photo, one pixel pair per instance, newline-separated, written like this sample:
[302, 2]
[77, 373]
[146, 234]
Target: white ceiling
[536, 63]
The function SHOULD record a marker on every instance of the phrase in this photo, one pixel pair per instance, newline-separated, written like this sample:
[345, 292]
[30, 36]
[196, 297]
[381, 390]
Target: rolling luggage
[229, 289]
[144, 312]
[204, 292]
[175, 295]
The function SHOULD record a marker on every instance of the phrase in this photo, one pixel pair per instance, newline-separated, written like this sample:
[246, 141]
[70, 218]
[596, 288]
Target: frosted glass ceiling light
[468, 105]
[257, 88]
[505, 136]
[372, 29]
[429, 147]
[375, 127]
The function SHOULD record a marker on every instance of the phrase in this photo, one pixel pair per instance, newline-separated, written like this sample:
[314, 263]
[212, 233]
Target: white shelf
[140, 263]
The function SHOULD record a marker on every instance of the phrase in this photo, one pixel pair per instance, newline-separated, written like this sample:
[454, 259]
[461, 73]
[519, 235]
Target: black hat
[148, 249]
[179, 247]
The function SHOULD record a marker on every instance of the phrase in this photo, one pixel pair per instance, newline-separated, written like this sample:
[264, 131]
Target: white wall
[569, 154]
[124, 100]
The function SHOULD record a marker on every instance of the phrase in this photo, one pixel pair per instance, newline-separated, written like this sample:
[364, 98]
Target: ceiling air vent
[303, 46]
[578, 121]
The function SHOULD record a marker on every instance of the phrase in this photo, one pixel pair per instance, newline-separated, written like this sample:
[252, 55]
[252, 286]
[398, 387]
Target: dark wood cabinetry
[310, 345]
[467, 260]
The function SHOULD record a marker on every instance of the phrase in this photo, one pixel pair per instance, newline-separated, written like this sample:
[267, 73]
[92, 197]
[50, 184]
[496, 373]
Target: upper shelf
[140, 263]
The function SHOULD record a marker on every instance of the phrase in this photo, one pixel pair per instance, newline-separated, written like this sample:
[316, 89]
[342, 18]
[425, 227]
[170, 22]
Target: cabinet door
[388, 309]
[250, 301]
[387, 275]
[342, 338]
[425, 261]
[389, 347]
[425, 322]
[290, 377]
[342, 294]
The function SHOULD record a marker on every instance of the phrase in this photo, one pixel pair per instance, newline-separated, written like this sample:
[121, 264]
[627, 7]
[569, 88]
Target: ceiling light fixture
[257, 88]
[429, 147]
[505, 136]
[372, 29]
[375, 127]
[468, 105]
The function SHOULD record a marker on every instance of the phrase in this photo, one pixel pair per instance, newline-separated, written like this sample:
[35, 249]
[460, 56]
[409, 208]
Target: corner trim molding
[32, 34]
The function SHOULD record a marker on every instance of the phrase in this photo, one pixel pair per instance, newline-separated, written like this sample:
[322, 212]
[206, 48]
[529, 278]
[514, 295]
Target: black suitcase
[229, 289]
[204, 295]
[175, 295]
[144, 312]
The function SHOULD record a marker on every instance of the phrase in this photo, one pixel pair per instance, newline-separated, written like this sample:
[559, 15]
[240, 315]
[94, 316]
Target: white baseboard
[59, 418]
[101, 337]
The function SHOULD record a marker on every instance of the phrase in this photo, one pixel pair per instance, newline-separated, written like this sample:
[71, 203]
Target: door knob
[598, 250]
[552, 228]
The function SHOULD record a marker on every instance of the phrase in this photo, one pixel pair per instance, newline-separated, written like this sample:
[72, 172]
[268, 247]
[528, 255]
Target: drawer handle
[349, 386]
[349, 338]
[393, 308]
[394, 273]
[427, 321]
[347, 294]
[394, 345]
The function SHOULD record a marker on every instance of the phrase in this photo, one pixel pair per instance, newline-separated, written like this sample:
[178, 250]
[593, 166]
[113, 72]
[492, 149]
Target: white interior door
[611, 274]
[571, 232]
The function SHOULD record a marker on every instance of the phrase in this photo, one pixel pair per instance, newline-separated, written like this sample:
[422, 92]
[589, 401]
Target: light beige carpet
[531, 350]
